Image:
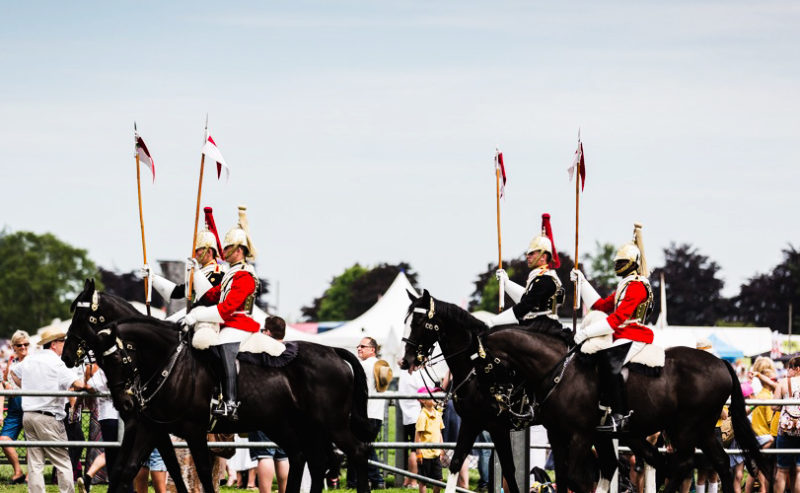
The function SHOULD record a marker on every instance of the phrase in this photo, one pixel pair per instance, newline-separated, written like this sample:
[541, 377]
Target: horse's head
[84, 308]
[118, 366]
[91, 311]
[422, 330]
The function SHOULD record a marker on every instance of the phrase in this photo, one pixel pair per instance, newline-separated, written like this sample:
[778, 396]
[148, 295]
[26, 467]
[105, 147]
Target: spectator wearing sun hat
[43, 416]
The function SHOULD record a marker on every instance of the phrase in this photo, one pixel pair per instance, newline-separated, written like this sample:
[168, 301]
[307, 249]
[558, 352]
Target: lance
[147, 290]
[577, 294]
[579, 169]
[498, 163]
[196, 220]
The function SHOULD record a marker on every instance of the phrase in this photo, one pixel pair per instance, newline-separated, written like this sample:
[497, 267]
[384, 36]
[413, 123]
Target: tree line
[42, 275]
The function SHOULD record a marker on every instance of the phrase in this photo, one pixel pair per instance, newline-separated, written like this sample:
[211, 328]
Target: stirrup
[614, 422]
[226, 409]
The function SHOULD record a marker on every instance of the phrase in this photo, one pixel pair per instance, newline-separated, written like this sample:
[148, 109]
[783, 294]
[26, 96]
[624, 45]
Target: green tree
[765, 299]
[601, 268]
[41, 276]
[355, 290]
[694, 292]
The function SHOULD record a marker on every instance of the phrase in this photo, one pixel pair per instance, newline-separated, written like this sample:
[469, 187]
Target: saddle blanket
[207, 335]
[651, 355]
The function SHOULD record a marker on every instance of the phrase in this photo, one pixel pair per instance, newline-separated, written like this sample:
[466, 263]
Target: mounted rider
[537, 302]
[535, 309]
[206, 253]
[627, 309]
[230, 305]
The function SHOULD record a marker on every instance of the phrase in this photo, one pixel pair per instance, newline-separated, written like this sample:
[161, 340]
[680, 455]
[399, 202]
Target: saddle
[650, 355]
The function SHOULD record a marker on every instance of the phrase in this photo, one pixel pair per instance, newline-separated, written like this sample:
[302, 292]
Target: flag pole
[576, 294]
[196, 219]
[501, 292]
[141, 223]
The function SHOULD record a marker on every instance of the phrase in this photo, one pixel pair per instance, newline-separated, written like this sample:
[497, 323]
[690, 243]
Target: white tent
[384, 321]
[750, 340]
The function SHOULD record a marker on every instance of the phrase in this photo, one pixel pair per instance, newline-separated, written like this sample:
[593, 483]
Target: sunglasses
[362, 346]
[22, 345]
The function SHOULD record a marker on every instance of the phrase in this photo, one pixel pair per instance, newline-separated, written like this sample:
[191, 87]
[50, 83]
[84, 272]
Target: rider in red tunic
[626, 308]
[231, 305]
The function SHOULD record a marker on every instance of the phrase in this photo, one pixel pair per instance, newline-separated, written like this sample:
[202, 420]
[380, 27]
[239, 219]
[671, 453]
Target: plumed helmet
[542, 243]
[239, 235]
[206, 239]
[628, 252]
[633, 253]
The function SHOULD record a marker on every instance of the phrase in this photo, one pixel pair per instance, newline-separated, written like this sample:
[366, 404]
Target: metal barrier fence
[378, 445]
[397, 446]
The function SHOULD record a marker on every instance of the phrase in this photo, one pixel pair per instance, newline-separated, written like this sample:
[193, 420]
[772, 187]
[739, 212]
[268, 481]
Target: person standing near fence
[429, 430]
[788, 427]
[408, 383]
[12, 425]
[367, 351]
[43, 417]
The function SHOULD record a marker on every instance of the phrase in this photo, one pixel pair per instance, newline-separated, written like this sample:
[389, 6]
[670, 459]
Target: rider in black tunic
[535, 309]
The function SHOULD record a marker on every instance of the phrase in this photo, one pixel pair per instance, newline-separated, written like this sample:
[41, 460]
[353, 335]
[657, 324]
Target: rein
[141, 392]
[555, 376]
[431, 325]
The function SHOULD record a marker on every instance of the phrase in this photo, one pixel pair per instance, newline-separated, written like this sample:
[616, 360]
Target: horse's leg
[297, 464]
[357, 453]
[560, 456]
[607, 459]
[715, 453]
[581, 463]
[681, 462]
[502, 445]
[198, 446]
[167, 451]
[315, 450]
[137, 444]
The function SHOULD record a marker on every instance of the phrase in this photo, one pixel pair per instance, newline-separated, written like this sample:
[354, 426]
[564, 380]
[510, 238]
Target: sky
[364, 131]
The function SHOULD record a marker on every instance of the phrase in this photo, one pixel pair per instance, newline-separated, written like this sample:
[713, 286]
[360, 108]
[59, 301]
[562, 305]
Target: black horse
[115, 308]
[318, 398]
[684, 401]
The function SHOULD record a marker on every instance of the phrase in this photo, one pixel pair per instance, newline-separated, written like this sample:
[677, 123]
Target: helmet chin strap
[630, 266]
[538, 254]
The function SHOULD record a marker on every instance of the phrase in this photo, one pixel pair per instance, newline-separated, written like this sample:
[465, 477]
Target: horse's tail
[743, 431]
[359, 423]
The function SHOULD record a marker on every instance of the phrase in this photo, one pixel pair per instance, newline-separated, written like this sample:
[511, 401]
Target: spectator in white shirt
[43, 416]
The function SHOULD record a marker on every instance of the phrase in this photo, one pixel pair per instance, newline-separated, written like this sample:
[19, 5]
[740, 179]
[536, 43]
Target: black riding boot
[612, 389]
[229, 405]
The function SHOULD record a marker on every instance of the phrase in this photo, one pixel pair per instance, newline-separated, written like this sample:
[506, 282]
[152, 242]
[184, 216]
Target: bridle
[424, 355]
[142, 393]
[82, 351]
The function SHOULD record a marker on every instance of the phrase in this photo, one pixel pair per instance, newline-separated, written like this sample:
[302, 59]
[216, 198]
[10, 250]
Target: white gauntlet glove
[588, 294]
[505, 317]
[512, 289]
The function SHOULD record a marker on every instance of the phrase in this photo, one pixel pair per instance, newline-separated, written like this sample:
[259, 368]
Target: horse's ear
[411, 295]
[425, 294]
[86, 284]
[93, 284]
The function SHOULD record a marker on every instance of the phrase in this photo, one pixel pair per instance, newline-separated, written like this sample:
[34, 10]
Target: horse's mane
[118, 300]
[459, 316]
[156, 323]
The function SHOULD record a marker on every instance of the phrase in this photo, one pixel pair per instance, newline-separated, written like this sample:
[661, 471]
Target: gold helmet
[542, 243]
[239, 235]
[206, 239]
[632, 253]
